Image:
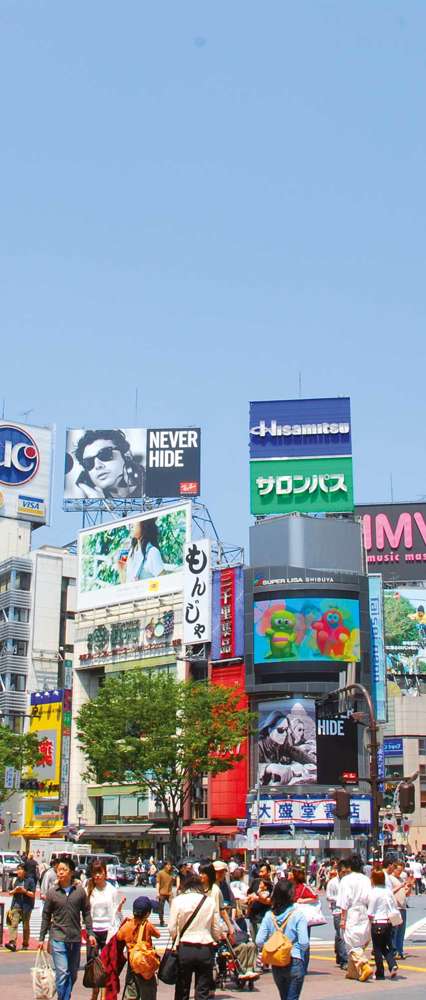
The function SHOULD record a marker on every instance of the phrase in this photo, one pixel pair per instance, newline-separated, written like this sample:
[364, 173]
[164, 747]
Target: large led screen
[296, 629]
[134, 558]
[287, 743]
[405, 631]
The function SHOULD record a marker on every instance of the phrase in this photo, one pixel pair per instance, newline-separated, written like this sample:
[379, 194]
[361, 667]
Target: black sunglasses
[104, 455]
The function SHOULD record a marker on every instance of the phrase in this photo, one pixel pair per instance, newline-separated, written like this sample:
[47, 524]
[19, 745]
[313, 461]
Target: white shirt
[205, 927]
[417, 869]
[381, 904]
[103, 907]
[332, 892]
[140, 567]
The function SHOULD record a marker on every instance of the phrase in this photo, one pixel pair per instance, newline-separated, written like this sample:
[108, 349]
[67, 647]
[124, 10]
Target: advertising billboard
[395, 539]
[377, 644]
[308, 812]
[300, 428]
[197, 592]
[308, 485]
[133, 558]
[229, 788]
[300, 629]
[25, 472]
[228, 614]
[105, 463]
[405, 631]
[337, 748]
[287, 745]
[173, 462]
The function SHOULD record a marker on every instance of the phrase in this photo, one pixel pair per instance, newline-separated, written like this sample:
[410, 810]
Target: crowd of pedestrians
[216, 911]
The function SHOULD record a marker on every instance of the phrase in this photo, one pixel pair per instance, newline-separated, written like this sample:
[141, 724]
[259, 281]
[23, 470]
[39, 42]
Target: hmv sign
[395, 540]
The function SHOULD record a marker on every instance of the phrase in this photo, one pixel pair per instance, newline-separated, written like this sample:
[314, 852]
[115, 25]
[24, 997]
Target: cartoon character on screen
[282, 635]
[331, 633]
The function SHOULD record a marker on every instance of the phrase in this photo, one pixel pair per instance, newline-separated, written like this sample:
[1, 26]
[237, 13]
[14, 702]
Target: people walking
[195, 927]
[380, 909]
[353, 899]
[289, 979]
[137, 987]
[66, 905]
[106, 904]
[332, 892]
[49, 877]
[22, 905]
[402, 886]
[259, 897]
[165, 879]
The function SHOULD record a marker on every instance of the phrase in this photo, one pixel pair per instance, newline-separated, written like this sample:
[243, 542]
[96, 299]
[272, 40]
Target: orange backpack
[143, 958]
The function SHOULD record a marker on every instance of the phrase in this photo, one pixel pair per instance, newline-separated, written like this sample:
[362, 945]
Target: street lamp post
[373, 745]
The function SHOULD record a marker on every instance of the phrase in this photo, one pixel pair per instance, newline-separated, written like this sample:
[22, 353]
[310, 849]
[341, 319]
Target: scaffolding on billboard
[100, 511]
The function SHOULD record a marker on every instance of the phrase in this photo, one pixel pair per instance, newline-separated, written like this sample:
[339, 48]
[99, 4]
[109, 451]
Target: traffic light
[343, 804]
[407, 797]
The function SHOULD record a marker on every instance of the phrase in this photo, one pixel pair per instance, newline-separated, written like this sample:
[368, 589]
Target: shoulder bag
[94, 976]
[277, 949]
[312, 911]
[169, 965]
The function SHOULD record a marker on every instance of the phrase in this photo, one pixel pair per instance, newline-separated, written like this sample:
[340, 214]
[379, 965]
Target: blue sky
[201, 200]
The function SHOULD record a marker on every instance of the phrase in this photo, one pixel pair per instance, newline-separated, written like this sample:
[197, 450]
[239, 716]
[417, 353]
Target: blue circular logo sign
[19, 456]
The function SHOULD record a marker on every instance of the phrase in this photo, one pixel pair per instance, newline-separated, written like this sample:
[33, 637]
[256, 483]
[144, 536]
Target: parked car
[125, 873]
[112, 861]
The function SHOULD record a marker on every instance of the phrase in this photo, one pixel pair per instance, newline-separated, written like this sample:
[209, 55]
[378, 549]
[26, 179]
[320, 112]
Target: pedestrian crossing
[35, 922]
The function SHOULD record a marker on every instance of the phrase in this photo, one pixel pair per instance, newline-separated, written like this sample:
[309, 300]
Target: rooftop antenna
[391, 487]
[300, 385]
[26, 413]
[3, 412]
[136, 406]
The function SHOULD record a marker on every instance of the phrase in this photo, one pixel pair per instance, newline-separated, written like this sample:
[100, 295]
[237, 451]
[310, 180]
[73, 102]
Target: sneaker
[366, 973]
[344, 966]
[378, 979]
[401, 958]
[11, 946]
[394, 972]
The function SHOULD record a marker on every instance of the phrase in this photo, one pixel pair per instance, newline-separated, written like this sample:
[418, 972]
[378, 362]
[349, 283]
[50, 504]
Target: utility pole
[353, 689]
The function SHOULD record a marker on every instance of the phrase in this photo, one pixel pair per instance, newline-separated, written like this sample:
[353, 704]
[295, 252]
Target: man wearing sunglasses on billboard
[108, 468]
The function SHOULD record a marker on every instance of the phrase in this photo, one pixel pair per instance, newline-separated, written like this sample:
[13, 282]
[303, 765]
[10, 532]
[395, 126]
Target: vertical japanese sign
[66, 749]
[228, 614]
[197, 592]
[377, 645]
[9, 778]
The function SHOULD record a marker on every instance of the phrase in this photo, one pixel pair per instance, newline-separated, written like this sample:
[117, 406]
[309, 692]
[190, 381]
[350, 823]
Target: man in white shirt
[352, 900]
[401, 888]
[332, 891]
[417, 870]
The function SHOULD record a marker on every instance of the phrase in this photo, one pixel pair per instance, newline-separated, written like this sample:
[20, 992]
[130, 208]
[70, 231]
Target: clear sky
[200, 200]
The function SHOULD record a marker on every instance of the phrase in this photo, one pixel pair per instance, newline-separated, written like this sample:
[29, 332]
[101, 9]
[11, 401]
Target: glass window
[18, 614]
[23, 581]
[4, 582]
[128, 806]
[422, 745]
[18, 682]
[110, 808]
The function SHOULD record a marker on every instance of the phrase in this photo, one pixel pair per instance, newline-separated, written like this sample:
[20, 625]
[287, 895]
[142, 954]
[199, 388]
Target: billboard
[25, 472]
[229, 788]
[287, 744]
[307, 485]
[305, 812]
[300, 629]
[173, 462]
[378, 660]
[395, 539]
[337, 747]
[405, 631]
[228, 614]
[113, 463]
[105, 463]
[197, 592]
[300, 428]
[133, 558]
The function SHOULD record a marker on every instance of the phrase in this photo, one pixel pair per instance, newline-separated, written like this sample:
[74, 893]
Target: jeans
[289, 981]
[381, 936]
[399, 934]
[162, 900]
[16, 916]
[418, 883]
[66, 959]
[339, 943]
[194, 959]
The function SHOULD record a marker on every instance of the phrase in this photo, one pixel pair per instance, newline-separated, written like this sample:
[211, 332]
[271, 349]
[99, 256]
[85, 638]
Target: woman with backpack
[143, 961]
[288, 918]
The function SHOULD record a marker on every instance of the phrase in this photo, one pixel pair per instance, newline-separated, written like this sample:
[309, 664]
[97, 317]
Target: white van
[8, 862]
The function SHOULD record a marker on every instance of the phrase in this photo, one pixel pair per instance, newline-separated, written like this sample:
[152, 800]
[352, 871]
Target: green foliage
[163, 732]
[399, 627]
[16, 750]
[171, 537]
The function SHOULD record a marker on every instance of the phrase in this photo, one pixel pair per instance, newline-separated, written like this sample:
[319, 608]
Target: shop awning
[36, 831]
[207, 828]
[226, 831]
[114, 831]
[159, 831]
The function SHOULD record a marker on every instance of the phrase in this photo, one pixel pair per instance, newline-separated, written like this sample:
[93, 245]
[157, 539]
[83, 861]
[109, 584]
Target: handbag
[277, 949]
[169, 966]
[395, 918]
[94, 976]
[143, 958]
[43, 978]
[312, 912]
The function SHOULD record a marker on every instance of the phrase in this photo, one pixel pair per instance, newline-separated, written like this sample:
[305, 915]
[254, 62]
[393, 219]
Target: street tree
[18, 750]
[161, 735]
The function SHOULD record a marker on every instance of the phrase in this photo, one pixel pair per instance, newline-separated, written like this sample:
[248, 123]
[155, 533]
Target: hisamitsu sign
[300, 428]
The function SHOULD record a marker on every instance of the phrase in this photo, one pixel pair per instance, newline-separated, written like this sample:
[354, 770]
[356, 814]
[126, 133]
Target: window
[394, 772]
[423, 798]
[19, 648]
[110, 808]
[422, 745]
[18, 682]
[4, 582]
[199, 804]
[23, 581]
[18, 614]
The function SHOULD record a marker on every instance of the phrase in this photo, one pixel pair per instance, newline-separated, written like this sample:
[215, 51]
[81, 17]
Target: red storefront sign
[228, 612]
[228, 791]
